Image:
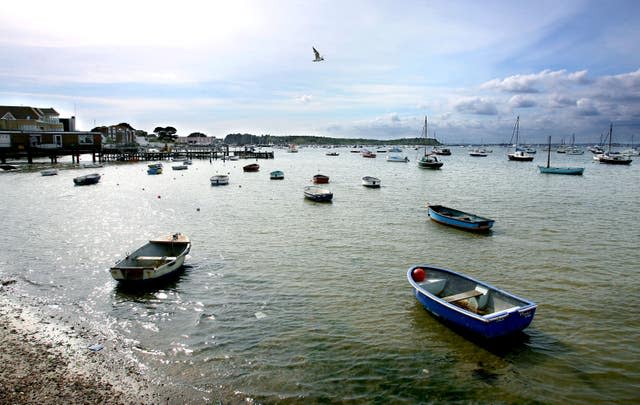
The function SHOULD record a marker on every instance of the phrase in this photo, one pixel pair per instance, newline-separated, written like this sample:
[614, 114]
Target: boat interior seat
[474, 300]
[156, 258]
[435, 285]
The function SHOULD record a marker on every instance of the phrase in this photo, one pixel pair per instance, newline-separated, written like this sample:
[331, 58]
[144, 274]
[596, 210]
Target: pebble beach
[44, 362]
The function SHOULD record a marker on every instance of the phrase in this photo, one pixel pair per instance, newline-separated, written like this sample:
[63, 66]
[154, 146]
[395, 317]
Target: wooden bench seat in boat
[464, 295]
[150, 258]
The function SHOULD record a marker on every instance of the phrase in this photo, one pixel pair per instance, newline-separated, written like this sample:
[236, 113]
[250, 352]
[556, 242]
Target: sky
[219, 67]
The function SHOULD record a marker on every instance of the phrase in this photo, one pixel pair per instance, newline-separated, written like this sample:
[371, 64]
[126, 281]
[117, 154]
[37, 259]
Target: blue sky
[222, 67]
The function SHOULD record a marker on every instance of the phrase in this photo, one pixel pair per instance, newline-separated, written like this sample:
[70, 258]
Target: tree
[167, 134]
[196, 135]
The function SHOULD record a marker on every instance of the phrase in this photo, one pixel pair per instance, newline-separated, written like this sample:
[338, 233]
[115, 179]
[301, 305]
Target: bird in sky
[318, 57]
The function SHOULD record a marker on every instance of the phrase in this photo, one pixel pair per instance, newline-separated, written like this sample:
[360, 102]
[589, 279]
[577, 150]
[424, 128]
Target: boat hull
[460, 219]
[254, 167]
[220, 180]
[371, 182]
[276, 175]
[318, 194]
[512, 314]
[574, 171]
[87, 180]
[158, 259]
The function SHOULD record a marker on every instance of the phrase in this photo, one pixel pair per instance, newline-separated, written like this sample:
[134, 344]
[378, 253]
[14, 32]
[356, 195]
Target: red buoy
[418, 275]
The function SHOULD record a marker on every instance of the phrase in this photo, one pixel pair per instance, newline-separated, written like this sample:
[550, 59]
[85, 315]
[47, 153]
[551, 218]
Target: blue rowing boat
[468, 304]
[459, 219]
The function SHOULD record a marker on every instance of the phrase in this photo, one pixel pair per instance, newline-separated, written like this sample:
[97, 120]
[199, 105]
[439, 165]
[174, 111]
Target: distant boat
[478, 152]
[320, 179]
[368, 154]
[276, 175]
[317, 193]
[518, 155]
[332, 154]
[558, 170]
[92, 165]
[371, 182]
[234, 157]
[157, 259]
[293, 148]
[613, 158]
[442, 151]
[154, 168]
[397, 159]
[459, 219]
[219, 180]
[87, 179]
[395, 149]
[180, 167]
[470, 305]
[428, 161]
[49, 172]
[253, 167]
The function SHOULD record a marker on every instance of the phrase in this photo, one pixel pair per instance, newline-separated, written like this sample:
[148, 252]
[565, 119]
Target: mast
[610, 131]
[549, 152]
[425, 135]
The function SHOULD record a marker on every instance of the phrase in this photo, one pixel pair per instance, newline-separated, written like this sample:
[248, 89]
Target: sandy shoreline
[44, 362]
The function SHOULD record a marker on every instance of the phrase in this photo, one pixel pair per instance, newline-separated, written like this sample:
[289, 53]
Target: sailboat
[613, 158]
[518, 155]
[548, 169]
[573, 149]
[428, 161]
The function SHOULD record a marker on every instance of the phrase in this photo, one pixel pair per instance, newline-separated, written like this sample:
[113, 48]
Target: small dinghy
[156, 259]
[219, 180]
[49, 172]
[253, 167]
[317, 193]
[87, 179]
[371, 182]
[468, 304]
[459, 219]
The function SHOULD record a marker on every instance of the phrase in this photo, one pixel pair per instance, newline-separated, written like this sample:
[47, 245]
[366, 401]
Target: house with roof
[33, 131]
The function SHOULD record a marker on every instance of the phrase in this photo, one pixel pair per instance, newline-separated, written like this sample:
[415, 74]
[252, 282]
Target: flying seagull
[318, 57]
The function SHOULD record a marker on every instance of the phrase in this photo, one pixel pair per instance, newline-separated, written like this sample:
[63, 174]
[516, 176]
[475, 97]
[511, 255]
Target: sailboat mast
[610, 131]
[426, 132]
[549, 152]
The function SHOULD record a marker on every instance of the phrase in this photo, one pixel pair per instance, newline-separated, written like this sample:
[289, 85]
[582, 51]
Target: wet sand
[44, 362]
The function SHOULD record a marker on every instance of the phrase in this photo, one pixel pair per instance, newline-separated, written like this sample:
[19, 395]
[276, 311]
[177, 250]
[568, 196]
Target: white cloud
[476, 105]
[520, 101]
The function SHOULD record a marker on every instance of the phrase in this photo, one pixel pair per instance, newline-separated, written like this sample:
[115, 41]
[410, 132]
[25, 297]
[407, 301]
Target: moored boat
[613, 158]
[519, 155]
[459, 219]
[87, 179]
[468, 304]
[368, 154]
[371, 182]
[219, 180]
[320, 179]
[317, 193]
[548, 169]
[49, 172]
[180, 167]
[154, 168]
[156, 259]
[428, 160]
[253, 167]
[276, 175]
[478, 152]
[397, 159]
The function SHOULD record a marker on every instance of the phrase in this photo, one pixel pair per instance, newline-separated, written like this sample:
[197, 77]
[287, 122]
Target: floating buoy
[418, 275]
[158, 197]
[198, 209]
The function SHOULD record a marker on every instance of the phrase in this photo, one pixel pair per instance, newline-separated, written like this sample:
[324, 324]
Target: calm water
[288, 300]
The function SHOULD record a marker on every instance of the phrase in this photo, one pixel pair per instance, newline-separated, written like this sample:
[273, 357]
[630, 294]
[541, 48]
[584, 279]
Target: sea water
[284, 299]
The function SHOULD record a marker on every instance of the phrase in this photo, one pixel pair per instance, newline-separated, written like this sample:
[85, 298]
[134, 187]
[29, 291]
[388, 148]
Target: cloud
[520, 101]
[476, 105]
[537, 82]
[586, 107]
[304, 99]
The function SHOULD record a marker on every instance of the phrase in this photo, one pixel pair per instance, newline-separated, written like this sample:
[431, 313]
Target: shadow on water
[141, 291]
